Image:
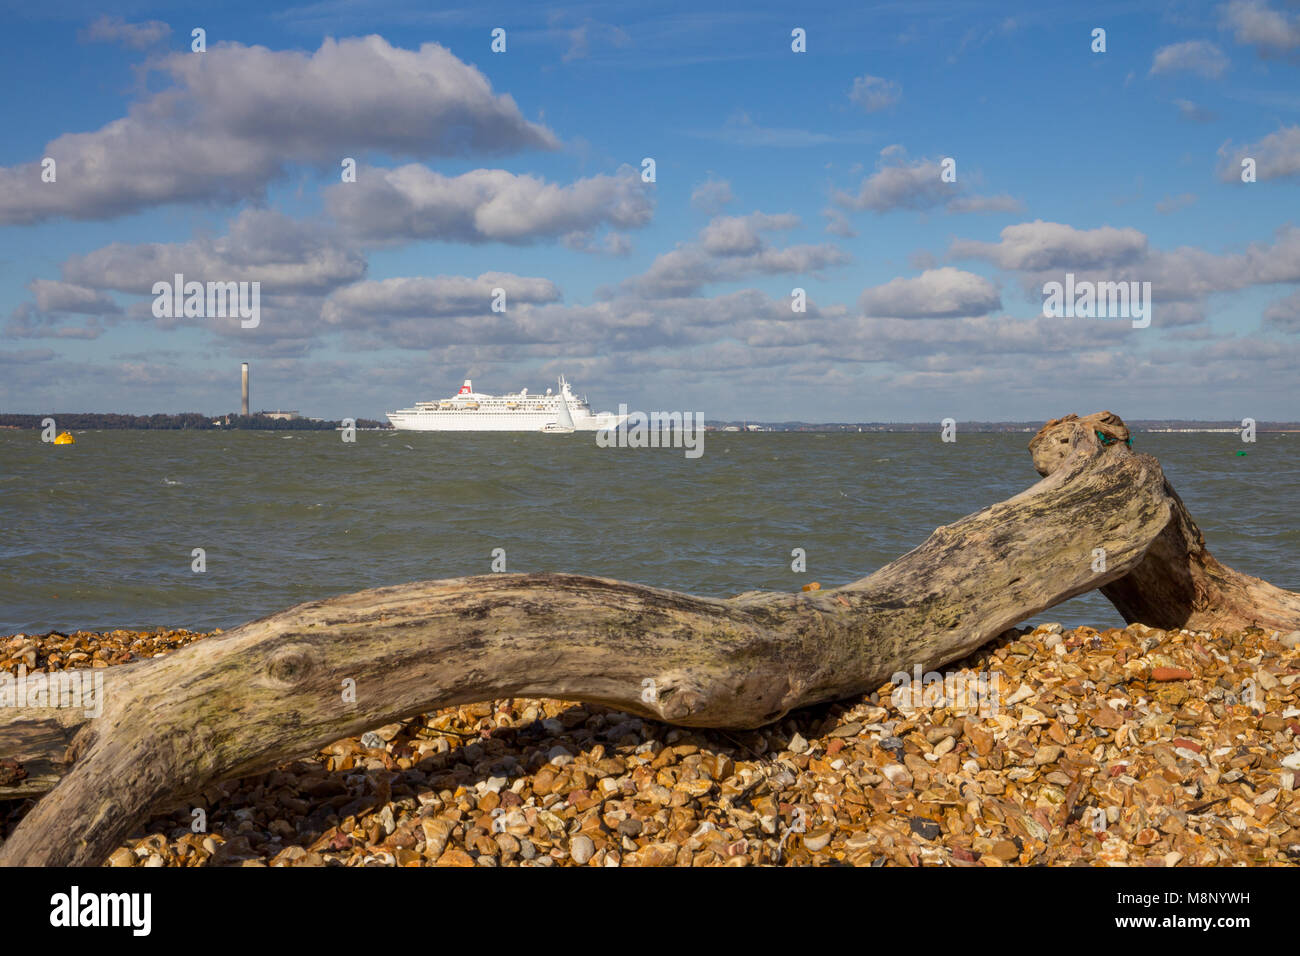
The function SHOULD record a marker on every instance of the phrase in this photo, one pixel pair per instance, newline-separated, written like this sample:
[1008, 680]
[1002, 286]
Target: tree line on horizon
[182, 421]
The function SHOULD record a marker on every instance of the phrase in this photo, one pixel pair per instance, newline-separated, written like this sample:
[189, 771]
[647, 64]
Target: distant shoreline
[192, 421]
[187, 421]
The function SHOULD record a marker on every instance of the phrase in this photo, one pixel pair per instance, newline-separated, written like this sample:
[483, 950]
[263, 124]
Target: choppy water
[100, 534]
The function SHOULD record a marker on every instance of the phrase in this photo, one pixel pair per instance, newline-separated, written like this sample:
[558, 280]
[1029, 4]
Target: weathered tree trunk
[1178, 584]
[273, 689]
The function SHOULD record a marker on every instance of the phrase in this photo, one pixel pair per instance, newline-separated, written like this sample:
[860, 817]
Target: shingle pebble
[1132, 747]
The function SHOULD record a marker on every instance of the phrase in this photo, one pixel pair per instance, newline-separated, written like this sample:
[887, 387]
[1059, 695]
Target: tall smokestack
[243, 371]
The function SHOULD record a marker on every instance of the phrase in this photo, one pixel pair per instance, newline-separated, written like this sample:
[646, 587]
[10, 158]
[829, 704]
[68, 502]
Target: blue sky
[774, 170]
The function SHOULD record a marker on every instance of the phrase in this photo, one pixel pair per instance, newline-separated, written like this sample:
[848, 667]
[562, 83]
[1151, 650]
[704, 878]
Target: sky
[919, 170]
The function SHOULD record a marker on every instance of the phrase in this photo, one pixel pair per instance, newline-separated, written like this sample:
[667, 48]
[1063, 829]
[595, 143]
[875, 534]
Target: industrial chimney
[243, 370]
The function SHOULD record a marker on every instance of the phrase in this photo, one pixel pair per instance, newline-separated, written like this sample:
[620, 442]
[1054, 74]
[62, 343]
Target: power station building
[285, 415]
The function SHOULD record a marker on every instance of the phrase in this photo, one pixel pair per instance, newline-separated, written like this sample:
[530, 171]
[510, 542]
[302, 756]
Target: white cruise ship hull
[471, 411]
[451, 420]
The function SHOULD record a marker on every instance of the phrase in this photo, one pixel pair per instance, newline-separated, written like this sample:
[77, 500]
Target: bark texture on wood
[272, 690]
[33, 742]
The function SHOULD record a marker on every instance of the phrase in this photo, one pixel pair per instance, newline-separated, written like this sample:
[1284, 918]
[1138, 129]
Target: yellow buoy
[65, 439]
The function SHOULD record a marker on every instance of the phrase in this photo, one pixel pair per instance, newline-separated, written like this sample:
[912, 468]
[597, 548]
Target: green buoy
[1240, 453]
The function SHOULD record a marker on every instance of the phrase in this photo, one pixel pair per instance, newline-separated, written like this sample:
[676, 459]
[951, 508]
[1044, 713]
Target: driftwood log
[272, 690]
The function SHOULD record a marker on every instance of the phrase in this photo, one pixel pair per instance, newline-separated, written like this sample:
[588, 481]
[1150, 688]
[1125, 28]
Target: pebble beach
[1119, 747]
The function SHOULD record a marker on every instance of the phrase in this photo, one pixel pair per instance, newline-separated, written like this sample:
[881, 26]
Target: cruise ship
[471, 411]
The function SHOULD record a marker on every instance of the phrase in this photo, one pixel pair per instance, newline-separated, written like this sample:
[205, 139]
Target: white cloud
[875, 93]
[138, 36]
[54, 296]
[590, 32]
[235, 116]
[898, 184]
[837, 224]
[1284, 314]
[1192, 56]
[1254, 23]
[27, 321]
[1276, 156]
[286, 255]
[740, 235]
[610, 244]
[730, 248]
[375, 302]
[918, 185]
[1042, 251]
[1192, 112]
[935, 293]
[1041, 245]
[484, 205]
[712, 195]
